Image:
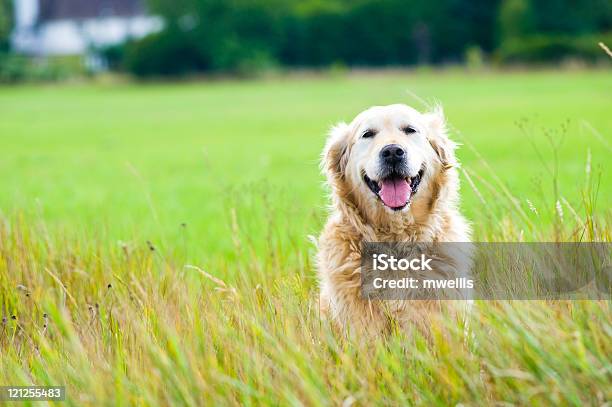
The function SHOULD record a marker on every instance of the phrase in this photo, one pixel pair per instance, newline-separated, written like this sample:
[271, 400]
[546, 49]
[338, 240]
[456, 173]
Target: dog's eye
[409, 130]
[368, 133]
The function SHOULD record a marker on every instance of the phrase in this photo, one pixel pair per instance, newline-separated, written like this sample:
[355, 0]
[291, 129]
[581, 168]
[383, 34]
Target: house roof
[82, 9]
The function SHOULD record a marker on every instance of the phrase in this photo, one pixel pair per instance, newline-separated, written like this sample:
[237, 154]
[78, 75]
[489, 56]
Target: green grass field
[108, 191]
[145, 159]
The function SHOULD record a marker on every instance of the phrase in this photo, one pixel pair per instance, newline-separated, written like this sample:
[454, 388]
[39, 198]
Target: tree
[6, 24]
[515, 19]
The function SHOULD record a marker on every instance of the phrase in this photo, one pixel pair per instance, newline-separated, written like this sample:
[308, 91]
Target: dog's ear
[335, 154]
[438, 137]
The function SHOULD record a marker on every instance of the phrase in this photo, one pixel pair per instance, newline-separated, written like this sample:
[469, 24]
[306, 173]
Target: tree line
[246, 35]
[243, 36]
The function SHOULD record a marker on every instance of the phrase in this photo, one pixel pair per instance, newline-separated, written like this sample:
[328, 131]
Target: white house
[72, 27]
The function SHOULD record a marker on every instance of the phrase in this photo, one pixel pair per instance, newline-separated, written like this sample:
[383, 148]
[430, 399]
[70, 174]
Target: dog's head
[388, 161]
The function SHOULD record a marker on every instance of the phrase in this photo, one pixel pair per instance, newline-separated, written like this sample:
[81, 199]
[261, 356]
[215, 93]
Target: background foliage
[244, 36]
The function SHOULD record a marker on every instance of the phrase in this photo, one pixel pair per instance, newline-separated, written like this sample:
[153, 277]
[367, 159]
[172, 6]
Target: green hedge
[242, 36]
[168, 53]
[18, 68]
[553, 48]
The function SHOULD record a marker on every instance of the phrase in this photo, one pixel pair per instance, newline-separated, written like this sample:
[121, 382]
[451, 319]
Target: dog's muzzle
[394, 186]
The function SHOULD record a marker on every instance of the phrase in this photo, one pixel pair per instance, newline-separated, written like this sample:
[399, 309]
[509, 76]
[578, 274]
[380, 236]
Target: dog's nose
[392, 154]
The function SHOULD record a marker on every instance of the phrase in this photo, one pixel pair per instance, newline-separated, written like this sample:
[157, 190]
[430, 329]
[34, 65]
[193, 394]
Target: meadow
[154, 240]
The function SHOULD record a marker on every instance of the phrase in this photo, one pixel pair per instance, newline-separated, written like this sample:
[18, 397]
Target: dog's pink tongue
[395, 193]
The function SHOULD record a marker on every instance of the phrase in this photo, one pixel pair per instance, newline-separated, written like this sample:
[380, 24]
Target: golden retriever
[393, 177]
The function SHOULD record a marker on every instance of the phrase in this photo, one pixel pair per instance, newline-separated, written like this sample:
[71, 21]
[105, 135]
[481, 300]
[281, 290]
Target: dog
[392, 175]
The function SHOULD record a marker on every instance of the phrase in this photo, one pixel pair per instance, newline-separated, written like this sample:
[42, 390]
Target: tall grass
[122, 324]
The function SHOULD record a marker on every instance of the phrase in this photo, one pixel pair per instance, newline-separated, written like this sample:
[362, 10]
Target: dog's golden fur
[357, 215]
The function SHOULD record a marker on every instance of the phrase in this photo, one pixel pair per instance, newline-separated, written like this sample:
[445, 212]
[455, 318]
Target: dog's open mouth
[395, 190]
